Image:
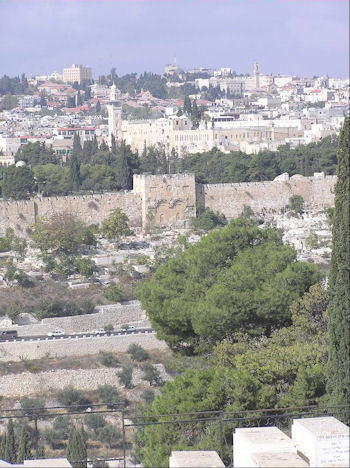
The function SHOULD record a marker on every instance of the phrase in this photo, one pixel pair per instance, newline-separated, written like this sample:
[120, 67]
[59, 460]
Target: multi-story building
[77, 73]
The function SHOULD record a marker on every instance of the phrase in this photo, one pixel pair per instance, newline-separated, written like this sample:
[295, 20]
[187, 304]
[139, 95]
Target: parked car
[99, 331]
[56, 333]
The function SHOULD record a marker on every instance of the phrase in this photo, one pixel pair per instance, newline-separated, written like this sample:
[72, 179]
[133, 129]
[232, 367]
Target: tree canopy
[240, 278]
[243, 373]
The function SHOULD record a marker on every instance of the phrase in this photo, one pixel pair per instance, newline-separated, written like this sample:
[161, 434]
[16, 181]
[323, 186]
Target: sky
[299, 37]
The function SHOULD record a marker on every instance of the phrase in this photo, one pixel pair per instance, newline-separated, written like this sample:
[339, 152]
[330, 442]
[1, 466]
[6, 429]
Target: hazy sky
[303, 37]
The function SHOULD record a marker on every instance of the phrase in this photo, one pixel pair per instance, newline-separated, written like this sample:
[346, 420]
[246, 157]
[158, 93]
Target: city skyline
[299, 38]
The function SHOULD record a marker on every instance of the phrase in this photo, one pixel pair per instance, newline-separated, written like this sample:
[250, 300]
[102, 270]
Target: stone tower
[114, 121]
[257, 75]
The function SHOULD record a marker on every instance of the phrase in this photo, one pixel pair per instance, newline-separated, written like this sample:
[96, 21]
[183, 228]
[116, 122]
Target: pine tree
[10, 445]
[24, 446]
[98, 107]
[76, 448]
[338, 368]
[74, 173]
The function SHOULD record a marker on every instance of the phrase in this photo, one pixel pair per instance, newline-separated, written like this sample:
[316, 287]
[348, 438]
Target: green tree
[24, 446]
[116, 225]
[63, 233]
[239, 278]
[109, 395]
[76, 449]
[125, 376]
[107, 359]
[113, 293]
[137, 352]
[152, 375]
[109, 435]
[296, 204]
[339, 281]
[74, 173]
[94, 421]
[241, 373]
[18, 183]
[72, 398]
[147, 395]
[10, 454]
[207, 220]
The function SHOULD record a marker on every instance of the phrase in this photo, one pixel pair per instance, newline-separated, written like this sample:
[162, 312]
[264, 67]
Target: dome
[20, 164]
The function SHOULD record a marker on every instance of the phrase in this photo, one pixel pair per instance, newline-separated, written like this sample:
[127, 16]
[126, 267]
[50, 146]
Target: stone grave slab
[278, 460]
[249, 441]
[324, 441]
[195, 459]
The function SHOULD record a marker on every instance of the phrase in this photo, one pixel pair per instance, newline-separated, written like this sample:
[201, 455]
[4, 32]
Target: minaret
[114, 115]
[257, 75]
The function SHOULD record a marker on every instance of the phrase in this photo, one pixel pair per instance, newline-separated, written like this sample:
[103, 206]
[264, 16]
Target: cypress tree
[10, 445]
[3, 446]
[24, 446]
[113, 145]
[77, 149]
[123, 167]
[74, 172]
[76, 448]
[338, 368]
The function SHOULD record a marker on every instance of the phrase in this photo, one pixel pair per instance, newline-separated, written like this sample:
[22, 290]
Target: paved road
[135, 331]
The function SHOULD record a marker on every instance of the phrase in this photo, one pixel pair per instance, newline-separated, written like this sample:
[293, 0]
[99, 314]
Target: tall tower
[257, 75]
[114, 122]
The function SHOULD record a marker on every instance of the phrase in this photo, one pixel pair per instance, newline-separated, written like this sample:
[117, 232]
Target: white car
[98, 332]
[56, 333]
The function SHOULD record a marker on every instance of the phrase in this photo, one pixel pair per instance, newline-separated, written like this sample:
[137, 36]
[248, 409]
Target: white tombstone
[278, 460]
[254, 440]
[195, 459]
[323, 441]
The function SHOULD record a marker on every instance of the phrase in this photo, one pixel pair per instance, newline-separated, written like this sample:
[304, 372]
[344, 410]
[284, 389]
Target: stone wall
[18, 350]
[167, 200]
[114, 314]
[170, 200]
[25, 384]
[92, 209]
[267, 197]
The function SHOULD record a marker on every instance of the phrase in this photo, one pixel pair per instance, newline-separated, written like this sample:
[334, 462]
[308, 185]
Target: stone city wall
[267, 197]
[116, 315]
[18, 350]
[92, 209]
[170, 200]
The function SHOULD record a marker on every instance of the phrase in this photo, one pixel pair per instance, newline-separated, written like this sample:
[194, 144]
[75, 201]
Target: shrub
[107, 359]
[296, 204]
[312, 240]
[72, 398]
[208, 220]
[125, 376]
[85, 267]
[137, 352]
[109, 435]
[109, 395]
[114, 293]
[152, 375]
[108, 327]
[94, 421]
[147, 395]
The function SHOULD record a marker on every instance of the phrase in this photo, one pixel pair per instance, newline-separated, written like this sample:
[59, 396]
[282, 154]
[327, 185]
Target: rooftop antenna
[175, 64]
